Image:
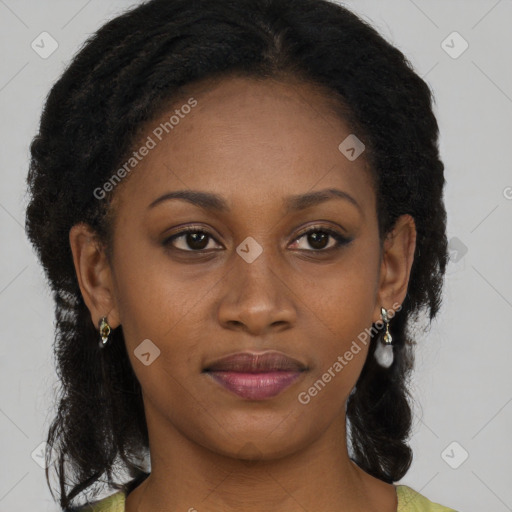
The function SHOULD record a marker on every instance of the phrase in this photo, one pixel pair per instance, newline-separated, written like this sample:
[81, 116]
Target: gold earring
[104, 331]
[388, 340]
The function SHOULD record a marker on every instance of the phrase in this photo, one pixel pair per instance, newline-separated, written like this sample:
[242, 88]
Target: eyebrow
[211, 201]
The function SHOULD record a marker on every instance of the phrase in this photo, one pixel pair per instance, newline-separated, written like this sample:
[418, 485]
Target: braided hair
[122, 78]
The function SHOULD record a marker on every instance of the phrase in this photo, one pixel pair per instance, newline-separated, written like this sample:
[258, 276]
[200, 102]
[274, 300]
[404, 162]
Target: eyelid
[313, 228]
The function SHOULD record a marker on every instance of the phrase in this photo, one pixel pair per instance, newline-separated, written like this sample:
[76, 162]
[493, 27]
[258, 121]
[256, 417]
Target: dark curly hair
[121, 79]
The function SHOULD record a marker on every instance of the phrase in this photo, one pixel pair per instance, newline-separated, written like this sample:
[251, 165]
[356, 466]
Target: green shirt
[408, 501]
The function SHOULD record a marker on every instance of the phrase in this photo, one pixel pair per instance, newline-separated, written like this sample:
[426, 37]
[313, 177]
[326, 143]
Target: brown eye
[191, 240]
[318, 238]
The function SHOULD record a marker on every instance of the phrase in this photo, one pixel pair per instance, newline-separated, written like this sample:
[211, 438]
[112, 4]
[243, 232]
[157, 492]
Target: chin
[259, 444]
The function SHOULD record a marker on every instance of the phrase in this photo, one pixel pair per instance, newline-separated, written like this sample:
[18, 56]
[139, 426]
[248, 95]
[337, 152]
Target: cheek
[342, 306]
[343, 296]
[160, 310]
[148, 292]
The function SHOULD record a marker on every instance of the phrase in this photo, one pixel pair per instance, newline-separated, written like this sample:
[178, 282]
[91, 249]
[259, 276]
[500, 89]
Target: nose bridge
[255, 271]
[256, 295]
[257, 276]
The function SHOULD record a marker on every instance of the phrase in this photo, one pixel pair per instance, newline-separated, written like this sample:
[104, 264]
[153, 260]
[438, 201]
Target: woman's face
[249, 159]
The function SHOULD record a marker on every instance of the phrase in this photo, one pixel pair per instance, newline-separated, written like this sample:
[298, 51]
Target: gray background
[462, 381]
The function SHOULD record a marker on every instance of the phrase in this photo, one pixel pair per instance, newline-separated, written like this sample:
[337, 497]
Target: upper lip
[256, 362]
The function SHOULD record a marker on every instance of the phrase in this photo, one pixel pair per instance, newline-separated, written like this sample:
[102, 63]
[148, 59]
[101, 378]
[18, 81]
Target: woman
[239, 208]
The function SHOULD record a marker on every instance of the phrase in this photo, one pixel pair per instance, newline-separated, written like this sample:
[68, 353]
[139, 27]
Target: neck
[189, 477]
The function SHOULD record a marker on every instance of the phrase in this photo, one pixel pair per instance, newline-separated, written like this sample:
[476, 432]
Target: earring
[384, 350]
[104, 332]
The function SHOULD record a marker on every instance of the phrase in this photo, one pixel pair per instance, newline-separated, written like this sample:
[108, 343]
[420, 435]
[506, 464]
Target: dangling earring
[384, 350]
[104, 332]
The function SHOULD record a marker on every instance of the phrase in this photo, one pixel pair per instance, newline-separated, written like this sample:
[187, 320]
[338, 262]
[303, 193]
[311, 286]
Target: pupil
[315, 236]
[193, 238]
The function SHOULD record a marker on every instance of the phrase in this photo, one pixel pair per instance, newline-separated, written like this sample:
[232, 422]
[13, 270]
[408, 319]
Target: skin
[254, 143]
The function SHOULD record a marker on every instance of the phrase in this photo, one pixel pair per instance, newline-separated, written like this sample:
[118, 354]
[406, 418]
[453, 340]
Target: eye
[318, 238]
[192, 237]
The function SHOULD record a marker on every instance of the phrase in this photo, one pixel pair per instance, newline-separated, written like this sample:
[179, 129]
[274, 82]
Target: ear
[93, 274]
[397, 258]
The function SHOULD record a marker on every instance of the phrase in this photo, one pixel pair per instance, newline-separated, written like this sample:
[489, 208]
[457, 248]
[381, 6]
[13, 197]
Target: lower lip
[256, 386]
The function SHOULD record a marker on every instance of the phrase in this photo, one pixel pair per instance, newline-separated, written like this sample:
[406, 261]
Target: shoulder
[112, 503]
[408, 501]
[411, 501]
[115, 502]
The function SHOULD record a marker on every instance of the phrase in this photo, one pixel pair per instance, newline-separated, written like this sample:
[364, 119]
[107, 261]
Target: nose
[256, 298]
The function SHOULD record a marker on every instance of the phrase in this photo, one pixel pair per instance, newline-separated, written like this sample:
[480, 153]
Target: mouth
[256, 376]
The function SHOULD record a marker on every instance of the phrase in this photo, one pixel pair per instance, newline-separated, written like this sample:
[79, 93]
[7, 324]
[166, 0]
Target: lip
[256, 362]
[256, 376]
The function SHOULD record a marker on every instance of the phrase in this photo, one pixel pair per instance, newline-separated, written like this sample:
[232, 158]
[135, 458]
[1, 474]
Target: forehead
[251, 141]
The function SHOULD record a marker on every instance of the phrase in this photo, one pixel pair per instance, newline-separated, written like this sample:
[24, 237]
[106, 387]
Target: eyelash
[340, 239]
